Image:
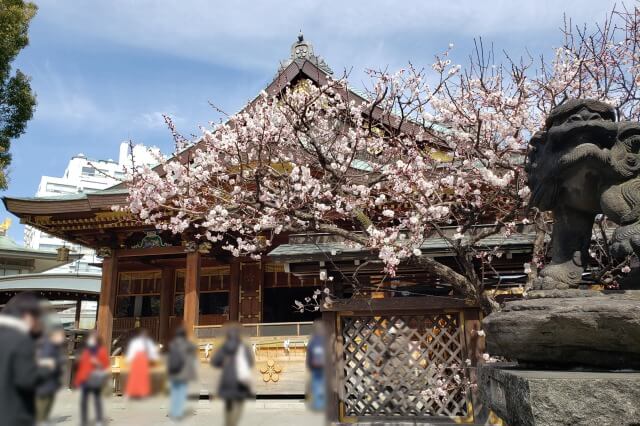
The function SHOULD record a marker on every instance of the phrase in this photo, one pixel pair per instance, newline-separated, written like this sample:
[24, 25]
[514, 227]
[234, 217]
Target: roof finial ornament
[4, 226]
[302, 50]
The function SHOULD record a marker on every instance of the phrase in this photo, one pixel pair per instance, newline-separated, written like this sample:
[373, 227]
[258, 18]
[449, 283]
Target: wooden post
[475, 347]
[192, 292]
[76, 323]
[474, 343]
[167, 296]
[234, 290]
[107, 303]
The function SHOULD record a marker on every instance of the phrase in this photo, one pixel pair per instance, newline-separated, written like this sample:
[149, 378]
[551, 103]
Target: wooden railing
[127, 324]
[273, 329]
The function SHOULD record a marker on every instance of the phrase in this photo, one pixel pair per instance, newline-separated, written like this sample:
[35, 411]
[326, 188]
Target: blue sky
[106, 70]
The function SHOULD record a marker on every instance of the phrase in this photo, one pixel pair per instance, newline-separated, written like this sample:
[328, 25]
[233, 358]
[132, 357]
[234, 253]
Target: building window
[178, 305]
[214, 295]
[150, 306]
[138, 294]
[143, 283]
[124, 307]
[88, 171]
[214, 303]
[138, 306]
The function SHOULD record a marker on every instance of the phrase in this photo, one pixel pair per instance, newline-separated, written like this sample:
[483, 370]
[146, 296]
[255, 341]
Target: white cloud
[155, 119]
[71, 107]
[254, 34]
[69, 101]
[63, 100]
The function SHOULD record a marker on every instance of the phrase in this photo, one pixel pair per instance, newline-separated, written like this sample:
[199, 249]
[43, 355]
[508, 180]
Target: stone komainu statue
[585, 163]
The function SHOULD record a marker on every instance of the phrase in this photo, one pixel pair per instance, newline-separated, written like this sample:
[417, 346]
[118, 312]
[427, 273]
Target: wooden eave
[82, 220]
[92, 202]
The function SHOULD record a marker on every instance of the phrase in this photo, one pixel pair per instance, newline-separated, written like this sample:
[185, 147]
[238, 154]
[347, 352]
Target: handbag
[243, 369]
[97, 379]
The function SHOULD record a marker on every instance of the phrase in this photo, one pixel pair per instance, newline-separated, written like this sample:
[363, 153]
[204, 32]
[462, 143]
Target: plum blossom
[425, 151]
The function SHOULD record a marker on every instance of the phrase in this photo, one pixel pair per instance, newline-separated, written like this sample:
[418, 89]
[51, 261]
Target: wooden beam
[234, 290]
[167, 295]
[192, 291]
[422, 303]
[140, 267]
[152, 251]
[107, 303]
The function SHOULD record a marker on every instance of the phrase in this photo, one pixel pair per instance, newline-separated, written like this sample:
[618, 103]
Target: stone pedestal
[567, 329]
[558, 398]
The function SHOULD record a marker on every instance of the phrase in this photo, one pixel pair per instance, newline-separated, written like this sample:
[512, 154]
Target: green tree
[17, 101]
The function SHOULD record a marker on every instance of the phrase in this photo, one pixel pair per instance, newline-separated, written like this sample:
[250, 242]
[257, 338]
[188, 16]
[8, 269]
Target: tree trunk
[461, 284]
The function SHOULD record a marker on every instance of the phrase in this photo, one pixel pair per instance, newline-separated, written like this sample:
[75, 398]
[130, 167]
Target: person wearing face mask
[51, 348]
[91, 376]
[20, 373]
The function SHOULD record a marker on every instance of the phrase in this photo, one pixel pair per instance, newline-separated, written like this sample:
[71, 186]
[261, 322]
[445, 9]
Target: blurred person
[140, 353]
[236, 361]
[181, 368]
[52, 347]
[91, 375]
[20, 373]
[316, 359]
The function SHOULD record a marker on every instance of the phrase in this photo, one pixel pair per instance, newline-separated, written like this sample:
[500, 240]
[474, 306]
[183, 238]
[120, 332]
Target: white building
[82, 175]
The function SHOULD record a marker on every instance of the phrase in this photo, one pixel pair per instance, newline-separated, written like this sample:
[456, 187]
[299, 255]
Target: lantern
[63, 254]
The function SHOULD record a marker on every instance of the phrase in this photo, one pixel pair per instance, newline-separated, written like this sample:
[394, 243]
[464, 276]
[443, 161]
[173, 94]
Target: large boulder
[568, 328]
[560, 398]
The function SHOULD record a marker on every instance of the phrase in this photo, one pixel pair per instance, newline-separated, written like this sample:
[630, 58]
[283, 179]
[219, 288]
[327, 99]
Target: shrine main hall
[155, 280]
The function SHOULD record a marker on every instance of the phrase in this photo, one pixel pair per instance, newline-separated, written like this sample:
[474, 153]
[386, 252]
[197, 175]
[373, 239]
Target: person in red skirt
[91, 376]
[140, 353]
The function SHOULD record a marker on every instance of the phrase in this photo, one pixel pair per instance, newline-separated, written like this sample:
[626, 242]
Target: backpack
[176, 361]
[316, 355]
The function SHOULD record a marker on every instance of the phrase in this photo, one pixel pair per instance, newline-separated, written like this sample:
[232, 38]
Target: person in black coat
[51, 348]
[236, 361]
[19, 373]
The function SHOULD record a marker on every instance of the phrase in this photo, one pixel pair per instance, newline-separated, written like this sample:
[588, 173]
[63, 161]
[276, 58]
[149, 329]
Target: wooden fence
[402, 360]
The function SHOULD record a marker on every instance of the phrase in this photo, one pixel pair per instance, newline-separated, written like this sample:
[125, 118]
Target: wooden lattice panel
[403, 365]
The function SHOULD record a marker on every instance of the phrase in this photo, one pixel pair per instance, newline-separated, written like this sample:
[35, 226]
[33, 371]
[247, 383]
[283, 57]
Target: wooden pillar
[192, 292]
[76, 322]
[107, 303]
[474, 344]
[474, 348]
[234, 290]
[167, 296]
